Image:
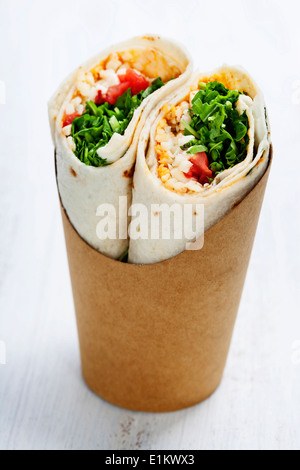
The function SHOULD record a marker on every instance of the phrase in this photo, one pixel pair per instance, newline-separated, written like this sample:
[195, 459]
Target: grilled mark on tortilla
[151, 38]
[129, 173]
[73, 172]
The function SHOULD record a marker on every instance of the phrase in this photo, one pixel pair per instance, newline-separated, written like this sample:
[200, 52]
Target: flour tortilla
[229, 188]
[83, 188]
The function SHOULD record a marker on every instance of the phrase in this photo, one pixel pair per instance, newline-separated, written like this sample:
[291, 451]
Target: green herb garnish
[94, 129]
[218, 128]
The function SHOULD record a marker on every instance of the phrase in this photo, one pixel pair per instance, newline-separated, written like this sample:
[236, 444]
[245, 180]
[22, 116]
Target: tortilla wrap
[227, 190]
[84, 188]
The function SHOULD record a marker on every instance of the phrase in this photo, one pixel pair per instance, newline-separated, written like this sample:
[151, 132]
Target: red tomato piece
[200, 169]
[114, 92]
[112, 95]
[137, 81]
[192, 173]
[68, 119]
[131, 79]
[100, 98]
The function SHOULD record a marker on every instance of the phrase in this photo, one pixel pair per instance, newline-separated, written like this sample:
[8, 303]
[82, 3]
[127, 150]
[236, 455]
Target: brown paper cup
[156, 338]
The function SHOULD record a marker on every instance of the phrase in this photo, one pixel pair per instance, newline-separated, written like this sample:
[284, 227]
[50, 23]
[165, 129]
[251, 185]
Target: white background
[43, 401]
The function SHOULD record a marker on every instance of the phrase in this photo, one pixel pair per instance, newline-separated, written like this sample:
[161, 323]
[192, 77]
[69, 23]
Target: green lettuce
[94, 129]
[217, 127]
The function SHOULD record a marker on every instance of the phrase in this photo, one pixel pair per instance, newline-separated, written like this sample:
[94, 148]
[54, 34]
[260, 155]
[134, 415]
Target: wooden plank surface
[43, 401]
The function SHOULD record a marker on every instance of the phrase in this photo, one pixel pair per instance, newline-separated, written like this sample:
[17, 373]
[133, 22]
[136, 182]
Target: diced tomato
[137, 81]
[200, 169]
[131, 79]
[114, 92]
[112, 95]
[100, 98]
[69, 118]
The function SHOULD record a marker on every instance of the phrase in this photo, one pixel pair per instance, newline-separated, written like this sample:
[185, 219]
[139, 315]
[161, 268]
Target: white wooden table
[43, 401]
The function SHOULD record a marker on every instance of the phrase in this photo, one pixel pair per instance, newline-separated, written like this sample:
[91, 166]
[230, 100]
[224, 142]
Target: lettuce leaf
[217, 127]
[94, 129]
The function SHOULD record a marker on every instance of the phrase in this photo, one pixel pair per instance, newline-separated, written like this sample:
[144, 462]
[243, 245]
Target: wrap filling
[206, 134]
[105, 100]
